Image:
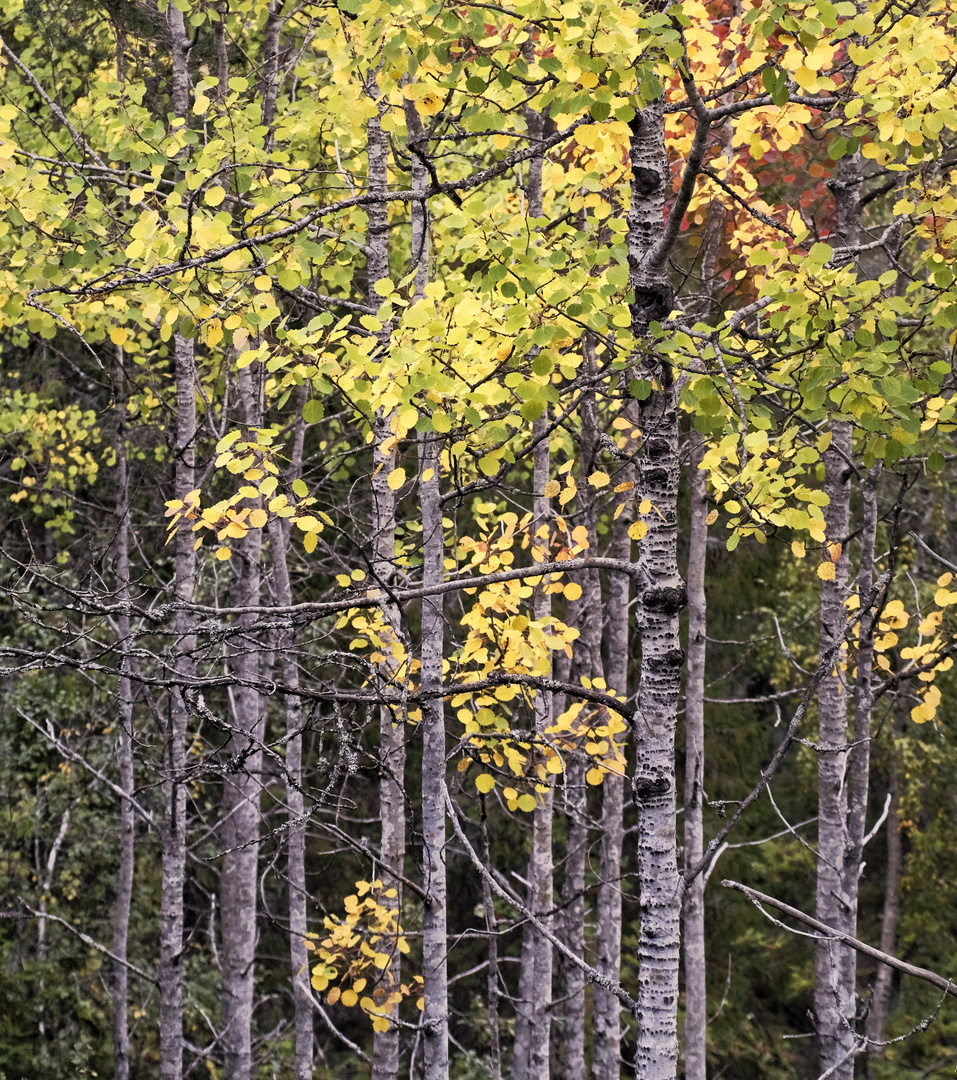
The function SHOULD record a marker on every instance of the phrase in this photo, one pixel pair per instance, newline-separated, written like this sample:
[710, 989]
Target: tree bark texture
[242, 783]
[124, 753]
[696, 1001]
[174, 756]
[662, 597]
[834, 1003]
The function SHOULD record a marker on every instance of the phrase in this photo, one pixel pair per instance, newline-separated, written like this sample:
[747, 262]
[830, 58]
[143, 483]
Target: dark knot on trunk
[647, 787]
[665, 599]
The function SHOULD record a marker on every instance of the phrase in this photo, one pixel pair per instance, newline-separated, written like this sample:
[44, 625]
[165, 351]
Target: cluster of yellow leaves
[226, 519]
[926, 657]
[358, 951]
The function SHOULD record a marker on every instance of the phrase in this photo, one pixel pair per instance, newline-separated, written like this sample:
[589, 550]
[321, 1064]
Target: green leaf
[313, 411]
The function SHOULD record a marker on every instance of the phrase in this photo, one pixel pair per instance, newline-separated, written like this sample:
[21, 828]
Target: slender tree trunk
[270, 69]
[174, 756]
[241, 791]
[531, 1048]
[586, 615]
[184, 587]
[124, 749]
[834, 1012]
[435, 944]
[835, 997]
[606, 1011]
[296, 835]
[385, 1064]
[693, 913]
[491, 925]
[661, 599]
[883, 983]
[434, 930]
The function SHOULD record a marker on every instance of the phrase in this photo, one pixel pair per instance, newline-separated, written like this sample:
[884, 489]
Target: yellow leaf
[484, 782]
[333, 996]
[427, 475]
[835, 552]
[637, 530]
[396, 479]
[827, 571]
[573, 591]
[381, 960]
[118, 335]
[527, 803]
[626, 486]
[258, 518]
[263, 283]
[309, 542]
[594, 777]
[349, 998]
[552, 488]
[599, 479]
[798, 549]
[223, 553]
[379, 1023]
[644, 506]
[711, 518]
[214, 196]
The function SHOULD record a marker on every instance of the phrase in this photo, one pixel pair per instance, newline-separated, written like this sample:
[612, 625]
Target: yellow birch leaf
[552, 488]
[118, 335]
[396, 479]
[527, 803]
[599, 479]
[835, 551]
[223, 553]
[427, 475]
[485, 783]
[644, 506]
[379, 1023]
[798, 549]
[349, 998]
[637, 530]
[711, 518]
[827, 571]
[214, 196]
[594, 777]
[573, 591]
[258, 518]
[333, 996]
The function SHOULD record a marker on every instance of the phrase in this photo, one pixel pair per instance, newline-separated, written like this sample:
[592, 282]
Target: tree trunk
[174, 755]
[184, 587]
[295, 805]
[385, 1064]
[531, 1046]
[434, 931]
[834, 1005]
[242, 784]
[696, 1003]
[606, 1010]
[661, 599]
[124, 750]
[883, 982]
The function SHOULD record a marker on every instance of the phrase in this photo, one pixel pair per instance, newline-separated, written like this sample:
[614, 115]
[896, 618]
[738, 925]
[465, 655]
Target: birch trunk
[124, 751]
[241, 791]
[693, 914]
[606, 1010]
[434, 929]
[883, 982]
[385, 1065]
[661, 598]
[531, 1047]
[835, 999]
[174, 755]
[586, 615]
[833, 1006]
[184, 587]
[295, 805]
[435, 944]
